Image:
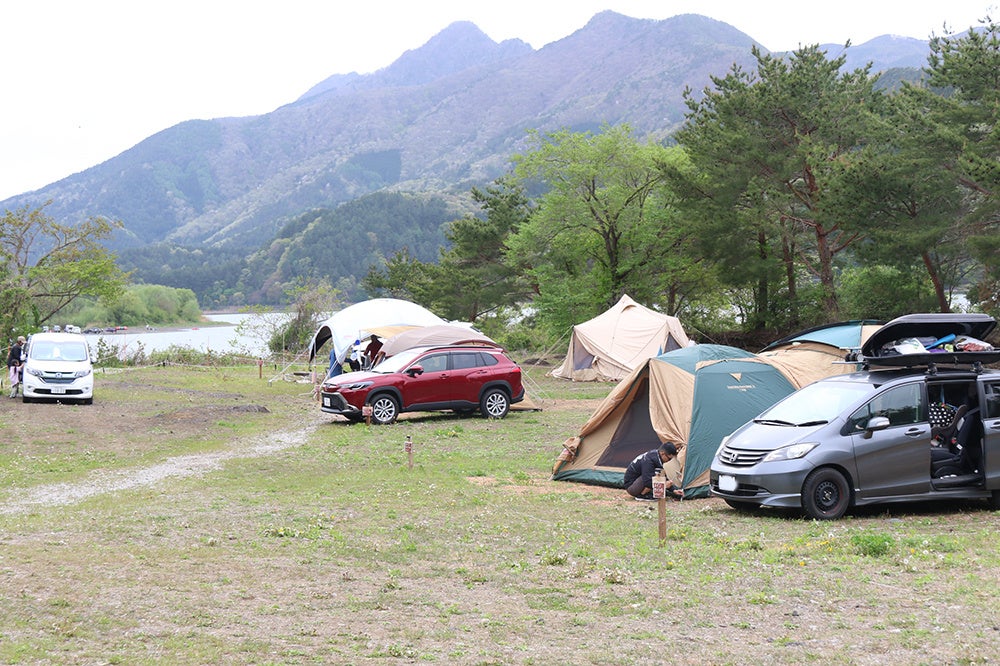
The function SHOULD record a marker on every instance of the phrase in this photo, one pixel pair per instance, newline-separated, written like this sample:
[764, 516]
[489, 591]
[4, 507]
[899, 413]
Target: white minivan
[57, 366]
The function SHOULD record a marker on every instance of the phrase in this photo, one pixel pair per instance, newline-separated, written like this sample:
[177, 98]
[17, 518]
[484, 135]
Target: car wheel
[825, 494]
[25, 399]
[994, 500]
[385, 409]
[494, 404]
[87, 401]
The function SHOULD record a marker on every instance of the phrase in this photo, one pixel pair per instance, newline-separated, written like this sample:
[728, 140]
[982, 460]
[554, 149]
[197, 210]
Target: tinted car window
[465, 360]
[488, 359]
[434, 363]
[902, 405]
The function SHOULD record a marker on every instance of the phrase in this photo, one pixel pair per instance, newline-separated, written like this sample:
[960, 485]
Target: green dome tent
[694, 396]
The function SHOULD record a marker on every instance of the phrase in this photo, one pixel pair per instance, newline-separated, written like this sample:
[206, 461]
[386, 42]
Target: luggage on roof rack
[930, 339]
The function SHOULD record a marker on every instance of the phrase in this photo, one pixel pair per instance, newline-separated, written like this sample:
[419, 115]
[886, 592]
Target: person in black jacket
[639, 474]
[14, 365]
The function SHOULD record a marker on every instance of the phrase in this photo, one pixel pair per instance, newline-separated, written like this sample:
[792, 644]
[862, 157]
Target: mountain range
[440, 119]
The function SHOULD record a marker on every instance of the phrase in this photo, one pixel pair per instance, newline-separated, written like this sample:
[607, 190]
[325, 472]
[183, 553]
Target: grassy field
[207, 516]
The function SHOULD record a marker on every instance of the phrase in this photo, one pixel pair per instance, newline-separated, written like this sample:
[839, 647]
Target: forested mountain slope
[439, 119]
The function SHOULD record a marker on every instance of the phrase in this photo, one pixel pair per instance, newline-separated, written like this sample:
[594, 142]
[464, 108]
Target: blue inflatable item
[941, 341]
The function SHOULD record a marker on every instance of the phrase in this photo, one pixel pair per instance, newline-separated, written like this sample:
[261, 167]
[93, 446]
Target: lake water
[221, 338]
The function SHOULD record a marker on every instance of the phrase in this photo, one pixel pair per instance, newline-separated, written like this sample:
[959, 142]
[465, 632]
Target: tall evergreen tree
[770, 146]
[967, 68]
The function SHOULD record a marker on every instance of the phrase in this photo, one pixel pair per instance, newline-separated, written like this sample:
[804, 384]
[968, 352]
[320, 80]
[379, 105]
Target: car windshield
[816, 404]
[58, 351]
[397, 362]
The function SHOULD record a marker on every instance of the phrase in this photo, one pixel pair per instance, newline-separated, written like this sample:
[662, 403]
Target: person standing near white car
[14, 365]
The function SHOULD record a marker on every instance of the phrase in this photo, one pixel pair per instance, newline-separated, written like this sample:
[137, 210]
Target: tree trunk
[825, 256]
[942, 298]
[788, 258]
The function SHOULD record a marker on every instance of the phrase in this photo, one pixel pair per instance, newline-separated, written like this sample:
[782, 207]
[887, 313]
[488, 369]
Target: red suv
[424, 379]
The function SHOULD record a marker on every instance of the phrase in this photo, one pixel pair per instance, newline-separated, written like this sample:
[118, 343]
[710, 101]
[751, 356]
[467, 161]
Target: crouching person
[639, 474]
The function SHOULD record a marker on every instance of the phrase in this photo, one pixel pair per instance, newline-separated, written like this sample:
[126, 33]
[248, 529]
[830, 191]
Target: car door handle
[916, 432]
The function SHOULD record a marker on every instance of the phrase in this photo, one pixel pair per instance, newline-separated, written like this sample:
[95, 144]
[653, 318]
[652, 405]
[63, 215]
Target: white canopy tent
[384, 317]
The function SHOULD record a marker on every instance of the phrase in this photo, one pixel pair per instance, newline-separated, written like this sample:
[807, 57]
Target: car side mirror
[875, 423]
[415, 370]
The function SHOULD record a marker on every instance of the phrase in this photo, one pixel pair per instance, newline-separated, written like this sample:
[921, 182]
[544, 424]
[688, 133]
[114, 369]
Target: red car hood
[352, 377]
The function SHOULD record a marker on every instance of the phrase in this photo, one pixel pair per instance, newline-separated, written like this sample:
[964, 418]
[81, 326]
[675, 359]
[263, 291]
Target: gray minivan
[920, 421]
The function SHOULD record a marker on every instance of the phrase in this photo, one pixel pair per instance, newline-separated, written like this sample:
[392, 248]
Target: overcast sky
[84, 80]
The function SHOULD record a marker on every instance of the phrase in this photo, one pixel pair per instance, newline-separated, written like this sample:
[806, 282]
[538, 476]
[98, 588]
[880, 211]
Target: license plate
[727, 483]
[58, 390]
[326, 402]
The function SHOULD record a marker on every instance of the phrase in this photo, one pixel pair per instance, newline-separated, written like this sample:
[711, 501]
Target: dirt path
[107, 481]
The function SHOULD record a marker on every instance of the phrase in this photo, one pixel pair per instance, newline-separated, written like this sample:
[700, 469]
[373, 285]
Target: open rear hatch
[932, 339]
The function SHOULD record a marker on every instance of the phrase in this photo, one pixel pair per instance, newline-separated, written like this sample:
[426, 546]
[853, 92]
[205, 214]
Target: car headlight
[355, 386]
[792, 452]
[81, 373]
[34, 371]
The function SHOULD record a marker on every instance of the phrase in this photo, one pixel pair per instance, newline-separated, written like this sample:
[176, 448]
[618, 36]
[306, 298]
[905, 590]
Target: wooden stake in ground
[660, 495]
[408, 447]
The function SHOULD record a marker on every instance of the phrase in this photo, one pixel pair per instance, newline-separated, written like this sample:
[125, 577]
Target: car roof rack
[927, 333]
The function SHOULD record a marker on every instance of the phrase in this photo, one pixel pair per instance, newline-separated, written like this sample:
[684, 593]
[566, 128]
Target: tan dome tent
[609, 346]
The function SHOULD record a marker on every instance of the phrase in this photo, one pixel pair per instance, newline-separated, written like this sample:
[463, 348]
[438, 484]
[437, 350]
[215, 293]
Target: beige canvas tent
[693, 396]
[442, 334]
[611, 345]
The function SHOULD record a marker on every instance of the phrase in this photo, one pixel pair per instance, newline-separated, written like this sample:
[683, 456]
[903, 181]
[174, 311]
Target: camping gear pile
[948, 343]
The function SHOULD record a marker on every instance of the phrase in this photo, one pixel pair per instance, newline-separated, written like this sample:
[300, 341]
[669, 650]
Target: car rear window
[465, 360]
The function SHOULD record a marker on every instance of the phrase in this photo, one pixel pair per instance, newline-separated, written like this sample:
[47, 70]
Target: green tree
[48, 265]
[471, 278]
[768, 147]
[906, 191]
[967, 68]
[400, 276]
[312, 301]
[605, 226]
[883, 292]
